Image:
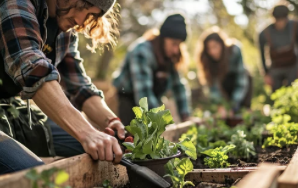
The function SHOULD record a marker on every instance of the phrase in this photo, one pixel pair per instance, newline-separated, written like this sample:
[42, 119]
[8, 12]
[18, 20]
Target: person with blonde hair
[221, 68]
[150, 69]
[39, 49]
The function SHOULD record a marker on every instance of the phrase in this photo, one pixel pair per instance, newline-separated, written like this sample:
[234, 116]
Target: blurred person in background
[281, 38]
[150, 69]
[221, 68]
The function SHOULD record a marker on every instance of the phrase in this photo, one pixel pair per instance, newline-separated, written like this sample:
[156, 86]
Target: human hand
[101, 146]
[116, 125]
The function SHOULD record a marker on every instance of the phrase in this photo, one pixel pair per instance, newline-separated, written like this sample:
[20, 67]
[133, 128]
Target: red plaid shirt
[21, 47]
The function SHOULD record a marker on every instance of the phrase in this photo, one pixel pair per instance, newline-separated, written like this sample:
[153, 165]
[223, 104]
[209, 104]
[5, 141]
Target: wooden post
[289, 179]
[265, 177]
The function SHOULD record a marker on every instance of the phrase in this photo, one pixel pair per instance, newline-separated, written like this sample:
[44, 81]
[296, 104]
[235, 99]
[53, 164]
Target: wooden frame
[83, 171]
[222, 175]
[289, 179]
[265, 177]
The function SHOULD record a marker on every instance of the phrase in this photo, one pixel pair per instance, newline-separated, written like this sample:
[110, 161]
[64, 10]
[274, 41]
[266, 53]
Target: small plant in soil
[217, 158]
[147, 128]
[198, 136]
[284, 132]
[176, 169]
[285, 101]
[106, 184]
[244, 148]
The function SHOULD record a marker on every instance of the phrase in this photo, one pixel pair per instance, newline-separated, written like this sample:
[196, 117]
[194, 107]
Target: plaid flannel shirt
[136, 77]
[236, 66]
[21, 44]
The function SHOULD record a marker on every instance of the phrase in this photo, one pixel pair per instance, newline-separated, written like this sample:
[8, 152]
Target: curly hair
[101, 29]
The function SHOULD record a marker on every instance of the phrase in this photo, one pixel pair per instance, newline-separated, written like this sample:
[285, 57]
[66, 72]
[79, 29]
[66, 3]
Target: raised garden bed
[86, 173]
[269, 175]
[83, 173]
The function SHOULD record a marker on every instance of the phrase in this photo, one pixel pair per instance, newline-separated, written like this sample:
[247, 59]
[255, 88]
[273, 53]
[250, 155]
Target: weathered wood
[289, 179]
[264, 177]
[48, 160]
[83, 171]
[221, 175]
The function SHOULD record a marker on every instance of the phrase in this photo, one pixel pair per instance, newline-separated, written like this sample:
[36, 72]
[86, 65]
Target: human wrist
[112, 120]
[78, 126]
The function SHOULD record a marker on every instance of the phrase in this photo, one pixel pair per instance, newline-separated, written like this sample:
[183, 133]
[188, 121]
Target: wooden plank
[289, 178]
[221, 175]
[48, 160]
[83, 171]
[265, 177]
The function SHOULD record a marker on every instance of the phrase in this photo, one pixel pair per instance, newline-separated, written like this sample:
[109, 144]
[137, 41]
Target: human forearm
[53, 102]
[97, 110]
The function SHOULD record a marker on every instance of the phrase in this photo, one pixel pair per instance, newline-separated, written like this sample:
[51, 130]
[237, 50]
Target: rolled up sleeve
[20, 47]
[76, 84]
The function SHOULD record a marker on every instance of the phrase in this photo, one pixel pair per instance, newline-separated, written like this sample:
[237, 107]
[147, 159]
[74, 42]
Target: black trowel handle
[126, 162]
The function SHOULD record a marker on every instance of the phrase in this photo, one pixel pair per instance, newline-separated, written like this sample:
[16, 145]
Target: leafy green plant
[286, 102]
[198, 136]
[45, 178]
[244, 148]
[217, 158]
[176, 169]
[217, 144]
[284, 134]
[147, 128]
[255, 134]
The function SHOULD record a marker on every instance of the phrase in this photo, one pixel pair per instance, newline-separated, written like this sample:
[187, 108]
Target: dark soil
[270, 155]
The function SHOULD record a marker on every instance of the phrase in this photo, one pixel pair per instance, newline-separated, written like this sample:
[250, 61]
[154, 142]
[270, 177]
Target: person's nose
[80, 18]
[176, 49]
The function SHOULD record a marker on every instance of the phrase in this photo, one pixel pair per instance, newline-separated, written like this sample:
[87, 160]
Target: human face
[214, 49]
[172, 47]
[75, 16]
[281, 23]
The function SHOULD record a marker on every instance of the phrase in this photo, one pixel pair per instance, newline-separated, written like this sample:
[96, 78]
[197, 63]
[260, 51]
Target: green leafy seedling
[217, 158]
[147, 129]
[176, 169]
[244, 148]
[45, 178]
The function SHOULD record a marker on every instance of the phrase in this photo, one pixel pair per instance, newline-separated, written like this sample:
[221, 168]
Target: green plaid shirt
[235, 66]
[136, 77]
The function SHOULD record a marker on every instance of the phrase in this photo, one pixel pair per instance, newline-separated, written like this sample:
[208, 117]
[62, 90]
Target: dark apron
[37, 137]
[229, 83]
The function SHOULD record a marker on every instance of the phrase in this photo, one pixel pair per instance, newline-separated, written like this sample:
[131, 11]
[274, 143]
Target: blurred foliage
[284, 132]
[139, 16]
[46, 179]
[286, 102]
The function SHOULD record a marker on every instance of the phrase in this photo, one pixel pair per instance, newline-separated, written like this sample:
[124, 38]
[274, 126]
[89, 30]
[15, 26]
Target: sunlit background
[240, 19]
